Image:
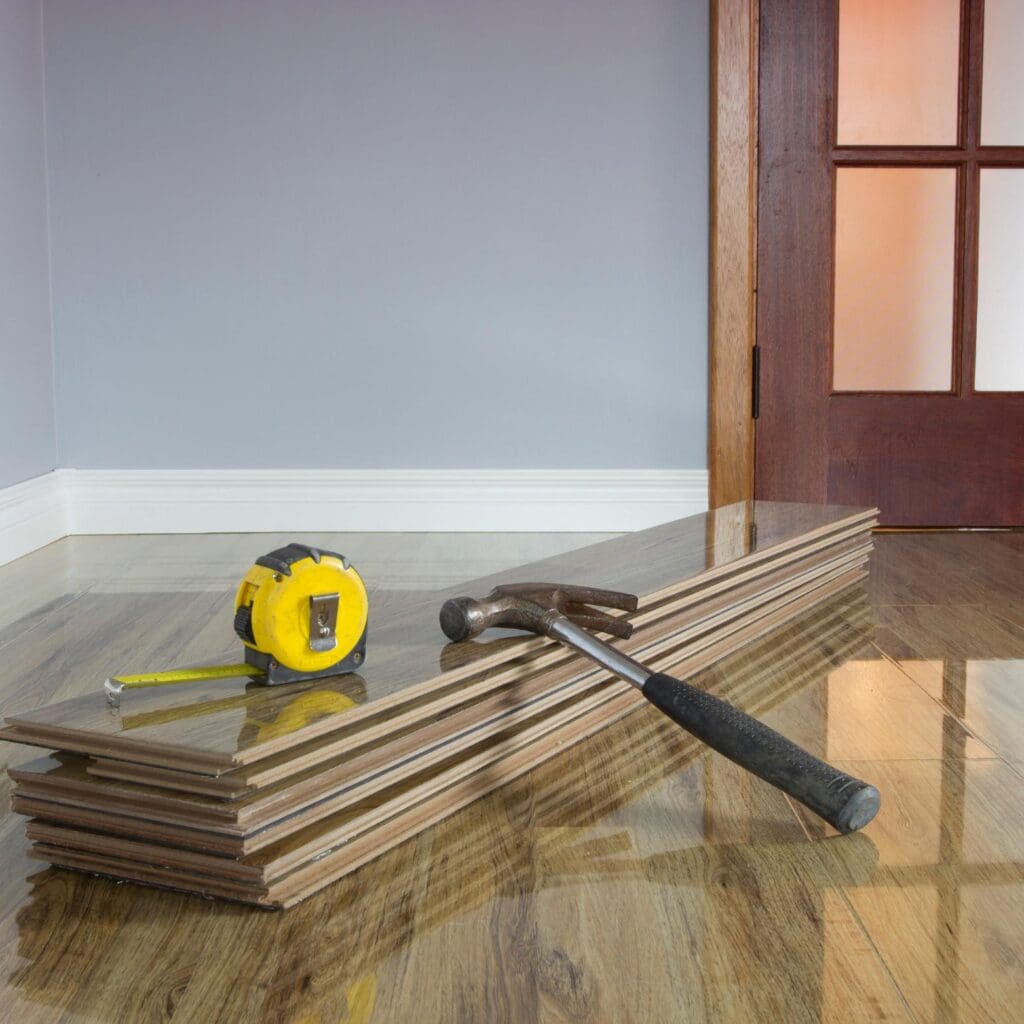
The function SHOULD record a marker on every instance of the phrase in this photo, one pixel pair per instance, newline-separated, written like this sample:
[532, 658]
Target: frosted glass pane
[898, 72]
[999, 348]
[1002, 74]
[893, 328]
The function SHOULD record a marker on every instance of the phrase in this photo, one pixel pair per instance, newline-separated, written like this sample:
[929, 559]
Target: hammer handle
[844, 802]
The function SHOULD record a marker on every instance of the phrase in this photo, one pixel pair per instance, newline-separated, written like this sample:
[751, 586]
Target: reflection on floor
[637, 877]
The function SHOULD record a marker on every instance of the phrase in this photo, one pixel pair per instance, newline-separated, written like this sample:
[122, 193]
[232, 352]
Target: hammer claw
[530, 606]
[562, 594]
[602, 598]
[597, 621]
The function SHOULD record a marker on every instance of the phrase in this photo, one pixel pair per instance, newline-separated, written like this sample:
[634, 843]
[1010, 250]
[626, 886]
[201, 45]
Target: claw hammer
[562, 611]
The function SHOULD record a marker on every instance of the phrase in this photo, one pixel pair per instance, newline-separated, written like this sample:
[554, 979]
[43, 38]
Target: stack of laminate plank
[266, 794]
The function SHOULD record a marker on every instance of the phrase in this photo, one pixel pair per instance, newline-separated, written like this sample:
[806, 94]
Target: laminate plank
[142, 829]
[871, 711]
[690, 637]
[52, 784]
[954, 631]
[405, 645]
[32, 616]
[986, 694]
[756, 677]
[436, 906]
[1010, 611]
[975, 567]
[944, 903]
[652, 622]
[314, 857]
[308, 862]
[757, 860]
[746, 901]
[66, 783]
[633, 847]
[718, 904]
[1013, 539]
[434, 739]
[689, 658]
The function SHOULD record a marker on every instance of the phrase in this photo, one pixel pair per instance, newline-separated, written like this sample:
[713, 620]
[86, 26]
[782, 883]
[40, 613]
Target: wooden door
[890, 256]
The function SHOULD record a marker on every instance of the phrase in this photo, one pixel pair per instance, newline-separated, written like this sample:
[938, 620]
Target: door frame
[732, 273]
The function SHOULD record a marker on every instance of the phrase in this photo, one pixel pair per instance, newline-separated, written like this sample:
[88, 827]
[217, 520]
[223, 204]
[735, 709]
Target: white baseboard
[75, 501]
[32, 515]
[245, 501]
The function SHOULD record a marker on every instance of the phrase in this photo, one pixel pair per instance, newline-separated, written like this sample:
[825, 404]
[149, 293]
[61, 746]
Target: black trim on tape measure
[243, 623]
[275, 672]
[284, 558]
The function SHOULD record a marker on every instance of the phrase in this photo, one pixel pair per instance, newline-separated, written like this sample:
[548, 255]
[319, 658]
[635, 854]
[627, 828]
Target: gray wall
[395, 233]
[27, 445]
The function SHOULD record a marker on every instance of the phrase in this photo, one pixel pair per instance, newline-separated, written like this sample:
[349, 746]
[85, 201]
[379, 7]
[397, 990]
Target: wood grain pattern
[949, 860]
[794, 257]
[709, 622]
[290, 838]
[304, 862]
[346, 780]
[216, 727]
[520, 906]
[733, 249]
[303, 844]
[930, 460]
[698, 650]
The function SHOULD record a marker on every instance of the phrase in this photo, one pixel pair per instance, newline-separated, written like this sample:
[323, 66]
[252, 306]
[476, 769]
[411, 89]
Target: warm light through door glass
[1002, 89]
[999, 348]
[893, 325]
[898, 70]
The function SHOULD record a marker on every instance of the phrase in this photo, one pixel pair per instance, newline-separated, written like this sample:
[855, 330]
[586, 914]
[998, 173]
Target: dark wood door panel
[924, 459]
[882, 448]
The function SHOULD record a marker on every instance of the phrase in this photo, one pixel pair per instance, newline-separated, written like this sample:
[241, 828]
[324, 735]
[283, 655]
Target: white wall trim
[76, 501]
[243, 501]
[33, 514]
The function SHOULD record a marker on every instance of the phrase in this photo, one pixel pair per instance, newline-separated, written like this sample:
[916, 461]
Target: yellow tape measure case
[301, 613]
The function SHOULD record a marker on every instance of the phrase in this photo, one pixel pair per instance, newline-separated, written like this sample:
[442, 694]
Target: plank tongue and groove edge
[212, 729]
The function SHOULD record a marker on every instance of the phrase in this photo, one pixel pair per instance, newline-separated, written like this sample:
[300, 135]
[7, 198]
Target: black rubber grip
[844, 802]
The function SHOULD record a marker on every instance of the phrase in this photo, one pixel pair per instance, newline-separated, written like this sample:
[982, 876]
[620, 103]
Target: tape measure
[300, 613]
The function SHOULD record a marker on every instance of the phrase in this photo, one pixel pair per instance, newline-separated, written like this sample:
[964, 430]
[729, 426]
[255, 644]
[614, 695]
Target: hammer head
[533, 607]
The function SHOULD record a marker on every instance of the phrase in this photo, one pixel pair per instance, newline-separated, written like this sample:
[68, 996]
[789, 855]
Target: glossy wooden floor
[634, 878]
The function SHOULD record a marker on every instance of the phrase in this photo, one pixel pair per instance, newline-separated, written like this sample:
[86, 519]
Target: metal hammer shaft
[845, 802]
